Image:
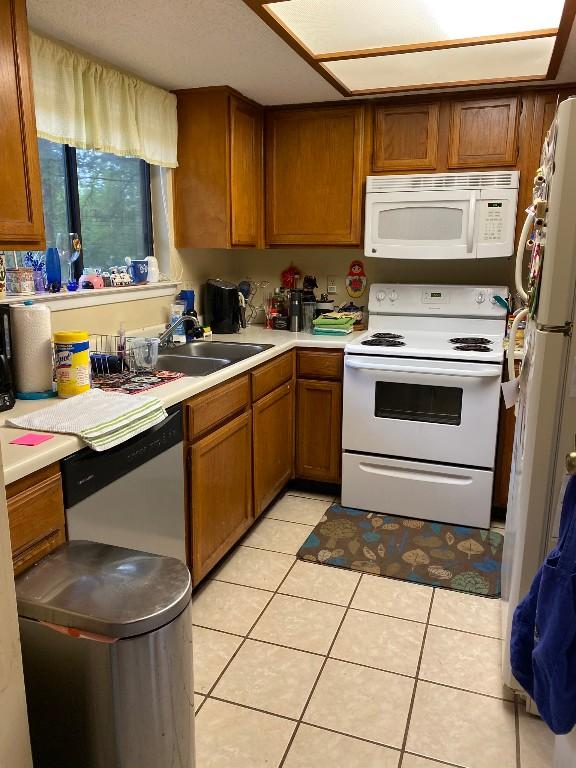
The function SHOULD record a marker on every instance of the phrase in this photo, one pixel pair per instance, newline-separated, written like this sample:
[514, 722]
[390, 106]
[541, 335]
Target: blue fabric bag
[543, 641]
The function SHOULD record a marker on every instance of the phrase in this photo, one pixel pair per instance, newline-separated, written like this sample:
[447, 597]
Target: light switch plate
[331, 284]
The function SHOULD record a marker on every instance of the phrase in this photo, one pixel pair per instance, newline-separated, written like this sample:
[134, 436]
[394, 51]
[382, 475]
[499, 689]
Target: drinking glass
[69, 248]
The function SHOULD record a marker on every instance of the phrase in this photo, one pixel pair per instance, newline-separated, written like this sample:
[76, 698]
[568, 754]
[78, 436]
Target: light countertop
[19, 460]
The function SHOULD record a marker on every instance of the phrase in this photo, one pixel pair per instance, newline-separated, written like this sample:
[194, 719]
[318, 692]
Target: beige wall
[106, 318]
[266, 265]
[14, 741]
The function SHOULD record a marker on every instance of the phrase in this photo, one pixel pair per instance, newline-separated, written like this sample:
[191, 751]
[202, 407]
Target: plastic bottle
[72, 353]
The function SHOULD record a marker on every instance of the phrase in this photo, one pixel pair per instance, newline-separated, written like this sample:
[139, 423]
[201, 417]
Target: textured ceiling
[190, 43]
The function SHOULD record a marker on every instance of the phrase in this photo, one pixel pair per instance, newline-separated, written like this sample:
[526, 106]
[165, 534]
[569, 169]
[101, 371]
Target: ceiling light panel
[327, 26]
[520, 59]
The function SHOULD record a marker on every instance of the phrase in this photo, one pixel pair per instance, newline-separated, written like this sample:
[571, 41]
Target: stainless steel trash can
[107, 649]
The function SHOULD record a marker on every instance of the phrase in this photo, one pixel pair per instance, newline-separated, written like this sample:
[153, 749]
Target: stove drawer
[414, 489]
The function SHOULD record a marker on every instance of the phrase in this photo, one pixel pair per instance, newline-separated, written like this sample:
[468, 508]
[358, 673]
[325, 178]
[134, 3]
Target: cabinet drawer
[216, 406]
[320, 364]
[272, 375]
[36, 516]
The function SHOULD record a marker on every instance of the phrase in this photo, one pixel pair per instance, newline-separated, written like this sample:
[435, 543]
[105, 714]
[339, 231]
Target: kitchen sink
[201, 358]
[191, 366]
[227, 350]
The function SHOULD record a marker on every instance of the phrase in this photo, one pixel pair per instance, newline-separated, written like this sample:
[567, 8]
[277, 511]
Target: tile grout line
[246, 636]
[413, 699]
[364, 610]
[320, 671]
[345, 661]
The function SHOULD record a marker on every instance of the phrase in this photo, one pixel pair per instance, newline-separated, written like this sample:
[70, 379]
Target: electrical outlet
[331, 284]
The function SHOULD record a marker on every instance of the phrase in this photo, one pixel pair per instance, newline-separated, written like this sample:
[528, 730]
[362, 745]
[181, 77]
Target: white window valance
[93, 106]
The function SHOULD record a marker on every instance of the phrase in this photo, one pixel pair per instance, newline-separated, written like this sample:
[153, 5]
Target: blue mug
[138, 269]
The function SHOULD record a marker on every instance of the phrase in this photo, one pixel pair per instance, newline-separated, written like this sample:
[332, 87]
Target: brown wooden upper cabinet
[483, 133]
[405, 138]
[218, 185]
[21, 217]
[314, 175]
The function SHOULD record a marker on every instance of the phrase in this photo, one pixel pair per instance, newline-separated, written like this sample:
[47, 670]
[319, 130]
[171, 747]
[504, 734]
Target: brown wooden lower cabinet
[273, 444]
[319, 430]
[36, 516]
[505, 445]
[504, 448]
[220, 492]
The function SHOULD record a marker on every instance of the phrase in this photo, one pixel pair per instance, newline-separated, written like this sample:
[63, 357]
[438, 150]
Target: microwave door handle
[496, 371]
[471, 223]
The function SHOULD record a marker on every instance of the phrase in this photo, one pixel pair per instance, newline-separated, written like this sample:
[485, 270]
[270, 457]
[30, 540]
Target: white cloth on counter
[101, 419]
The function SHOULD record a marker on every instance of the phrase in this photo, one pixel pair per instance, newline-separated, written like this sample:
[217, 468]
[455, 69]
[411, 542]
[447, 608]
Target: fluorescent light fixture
[326, 26]
[497, 61]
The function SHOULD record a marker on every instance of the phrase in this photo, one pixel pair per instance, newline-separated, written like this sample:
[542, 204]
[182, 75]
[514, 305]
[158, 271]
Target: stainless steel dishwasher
[132, 495]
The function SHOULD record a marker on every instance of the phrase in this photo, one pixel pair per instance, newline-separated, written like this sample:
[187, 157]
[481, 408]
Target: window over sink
[103, 197]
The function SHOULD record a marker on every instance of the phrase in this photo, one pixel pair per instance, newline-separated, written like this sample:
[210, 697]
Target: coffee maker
[222, 306]
[7, 397]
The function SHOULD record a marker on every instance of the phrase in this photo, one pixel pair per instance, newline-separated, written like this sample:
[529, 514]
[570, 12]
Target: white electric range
[421, 403]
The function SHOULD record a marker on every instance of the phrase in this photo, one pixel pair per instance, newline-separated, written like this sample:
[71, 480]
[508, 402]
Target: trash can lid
[104, 590]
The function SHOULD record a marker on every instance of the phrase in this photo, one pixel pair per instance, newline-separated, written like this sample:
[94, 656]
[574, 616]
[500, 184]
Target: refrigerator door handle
[512, 343]
[524, 235]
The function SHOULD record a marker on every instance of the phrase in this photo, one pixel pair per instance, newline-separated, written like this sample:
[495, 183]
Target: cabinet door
[273, 440]
[221, 492]
[483, 133]
[314, 172]
[405, 138]
[319, 430]
[246, 170]
[21, 217]
[36, 516]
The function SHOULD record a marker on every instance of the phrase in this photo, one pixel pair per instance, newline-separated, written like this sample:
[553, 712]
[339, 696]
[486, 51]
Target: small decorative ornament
[2, 271]
[356, 279]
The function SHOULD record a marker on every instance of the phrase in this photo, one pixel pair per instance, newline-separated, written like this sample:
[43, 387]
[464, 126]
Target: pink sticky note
[30, 438]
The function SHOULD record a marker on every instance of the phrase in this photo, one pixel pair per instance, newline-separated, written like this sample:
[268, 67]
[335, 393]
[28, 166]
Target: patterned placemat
[441, 555]
[134, 383]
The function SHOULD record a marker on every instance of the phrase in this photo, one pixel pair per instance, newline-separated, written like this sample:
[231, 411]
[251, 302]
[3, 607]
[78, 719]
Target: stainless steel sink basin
[199, 358]
[191, 366]
[228, 350]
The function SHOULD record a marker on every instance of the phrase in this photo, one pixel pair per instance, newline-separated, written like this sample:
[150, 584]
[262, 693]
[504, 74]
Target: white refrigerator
[546, 407]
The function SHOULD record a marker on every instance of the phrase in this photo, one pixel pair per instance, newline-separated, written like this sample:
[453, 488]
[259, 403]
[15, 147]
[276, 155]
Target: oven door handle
[475, 373]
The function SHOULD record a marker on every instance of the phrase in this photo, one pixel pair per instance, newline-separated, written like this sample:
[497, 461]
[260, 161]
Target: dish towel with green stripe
[101, 419]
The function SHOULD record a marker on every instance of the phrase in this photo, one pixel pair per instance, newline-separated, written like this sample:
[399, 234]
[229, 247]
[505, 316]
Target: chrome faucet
[166, 338]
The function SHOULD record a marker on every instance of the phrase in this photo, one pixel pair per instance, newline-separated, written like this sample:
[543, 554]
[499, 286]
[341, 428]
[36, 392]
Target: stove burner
[387, 336]
[469, 340]
[473, 348]
[375, 342]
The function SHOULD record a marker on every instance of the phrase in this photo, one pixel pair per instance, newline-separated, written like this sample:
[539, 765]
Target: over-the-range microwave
[441, 215]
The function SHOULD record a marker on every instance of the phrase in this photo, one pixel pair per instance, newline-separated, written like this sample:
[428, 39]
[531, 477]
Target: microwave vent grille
[428, 182]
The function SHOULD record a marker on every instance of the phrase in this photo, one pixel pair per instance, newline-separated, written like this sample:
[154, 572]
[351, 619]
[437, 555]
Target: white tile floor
[299, 665]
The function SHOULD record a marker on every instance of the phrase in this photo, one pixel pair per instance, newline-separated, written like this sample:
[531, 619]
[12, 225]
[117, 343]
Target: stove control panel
[442, 300]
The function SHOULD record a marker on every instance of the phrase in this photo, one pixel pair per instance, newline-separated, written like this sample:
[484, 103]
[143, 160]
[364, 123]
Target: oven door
[421, 225]
[444, 411]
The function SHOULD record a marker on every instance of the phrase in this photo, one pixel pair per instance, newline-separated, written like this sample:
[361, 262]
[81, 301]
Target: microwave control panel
[492, 220]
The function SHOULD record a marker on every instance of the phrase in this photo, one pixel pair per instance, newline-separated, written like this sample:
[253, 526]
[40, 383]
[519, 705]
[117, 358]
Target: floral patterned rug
[441, 555]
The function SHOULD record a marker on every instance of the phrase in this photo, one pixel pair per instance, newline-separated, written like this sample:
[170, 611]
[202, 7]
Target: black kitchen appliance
[7, 397]
[222, 306]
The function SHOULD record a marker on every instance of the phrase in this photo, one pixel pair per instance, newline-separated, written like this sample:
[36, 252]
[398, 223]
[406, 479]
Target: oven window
[420, 223]
[418, 402]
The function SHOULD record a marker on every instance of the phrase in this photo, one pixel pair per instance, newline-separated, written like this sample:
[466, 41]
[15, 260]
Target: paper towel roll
[32, 347]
